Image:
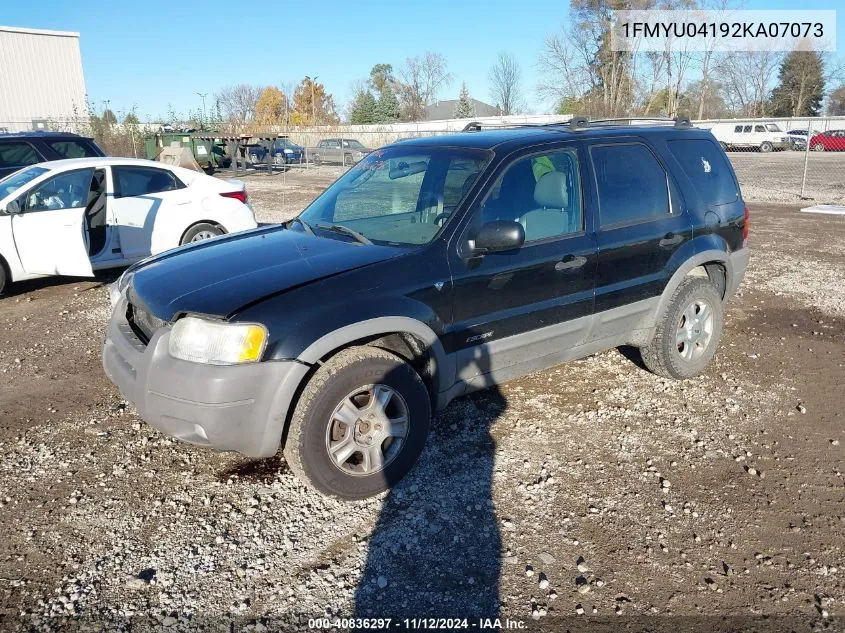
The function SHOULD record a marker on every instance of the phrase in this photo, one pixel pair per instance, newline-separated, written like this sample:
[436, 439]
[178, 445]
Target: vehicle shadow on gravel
[435, 551]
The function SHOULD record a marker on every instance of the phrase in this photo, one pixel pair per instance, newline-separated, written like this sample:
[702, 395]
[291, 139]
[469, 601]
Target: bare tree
[579, 64]
[422, 78]
[506, 83]
[237, 104]
[746, 78]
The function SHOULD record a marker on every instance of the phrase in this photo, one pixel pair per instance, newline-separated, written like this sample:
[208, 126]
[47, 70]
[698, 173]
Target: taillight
[240, 195]
[746, 224]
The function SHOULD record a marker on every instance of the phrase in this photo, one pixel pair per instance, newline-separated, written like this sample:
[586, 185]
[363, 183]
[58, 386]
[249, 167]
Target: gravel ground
[593, 493]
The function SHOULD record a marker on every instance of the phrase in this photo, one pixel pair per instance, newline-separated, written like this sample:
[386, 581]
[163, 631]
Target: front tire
[688, 334]
[766, 147]
[360, 424]
[200, 232]
[818, 147]
[3, 276]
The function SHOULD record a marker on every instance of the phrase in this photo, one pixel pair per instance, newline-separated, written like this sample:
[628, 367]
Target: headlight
[119, 287]
[217, 343]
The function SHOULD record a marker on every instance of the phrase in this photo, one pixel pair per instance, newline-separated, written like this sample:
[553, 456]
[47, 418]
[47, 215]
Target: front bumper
[230, 408]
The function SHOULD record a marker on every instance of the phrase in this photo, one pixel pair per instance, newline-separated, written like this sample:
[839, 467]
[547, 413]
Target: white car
[72, 217]
[763, 136]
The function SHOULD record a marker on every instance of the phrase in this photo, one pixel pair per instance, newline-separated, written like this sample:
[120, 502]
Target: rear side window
[17, 154]
[632, 185]
[140, 181]
[707, 167]
[73, 149]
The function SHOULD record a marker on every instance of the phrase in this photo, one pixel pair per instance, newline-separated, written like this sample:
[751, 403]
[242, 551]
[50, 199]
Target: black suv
[432, 268]
[20, 149]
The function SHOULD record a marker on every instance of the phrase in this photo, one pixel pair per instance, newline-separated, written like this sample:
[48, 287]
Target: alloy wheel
[367, 430]
[695, 330]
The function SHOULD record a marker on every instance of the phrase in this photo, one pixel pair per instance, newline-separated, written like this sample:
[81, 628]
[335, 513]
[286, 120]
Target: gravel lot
[593, 492]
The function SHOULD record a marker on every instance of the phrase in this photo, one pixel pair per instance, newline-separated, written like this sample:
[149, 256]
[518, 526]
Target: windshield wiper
[339, 228]
[304, 224]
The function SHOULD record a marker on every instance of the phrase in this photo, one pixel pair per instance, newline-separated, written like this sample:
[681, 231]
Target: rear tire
[3, 276]
[201, 231]
[689, 332]
[766, 147]
[371, 449]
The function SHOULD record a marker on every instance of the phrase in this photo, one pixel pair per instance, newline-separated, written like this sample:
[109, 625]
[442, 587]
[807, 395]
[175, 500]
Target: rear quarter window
[707, 167]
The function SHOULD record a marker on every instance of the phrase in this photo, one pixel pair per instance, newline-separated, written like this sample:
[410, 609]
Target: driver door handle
[671, 239]
[571, 262]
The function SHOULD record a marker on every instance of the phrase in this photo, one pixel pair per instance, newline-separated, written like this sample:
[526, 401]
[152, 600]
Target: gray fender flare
[444, 370]
[645, 336]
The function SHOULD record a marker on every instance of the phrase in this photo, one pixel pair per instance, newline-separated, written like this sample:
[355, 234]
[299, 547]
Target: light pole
[313, 105]
[202, 95]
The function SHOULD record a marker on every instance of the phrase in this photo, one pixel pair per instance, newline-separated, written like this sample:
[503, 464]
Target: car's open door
[52, 242]
[49, 229]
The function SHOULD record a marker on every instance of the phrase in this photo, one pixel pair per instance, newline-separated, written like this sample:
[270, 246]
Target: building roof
[17, 29]
[446, 109]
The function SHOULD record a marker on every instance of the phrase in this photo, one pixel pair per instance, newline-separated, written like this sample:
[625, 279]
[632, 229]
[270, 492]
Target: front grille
[143, 324]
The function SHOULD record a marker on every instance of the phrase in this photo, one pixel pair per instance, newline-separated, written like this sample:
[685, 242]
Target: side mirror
[497, 236]
[13, 208]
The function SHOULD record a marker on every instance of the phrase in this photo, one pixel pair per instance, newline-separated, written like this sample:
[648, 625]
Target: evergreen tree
[800, 88]
[465, 108]
[387, 108]
[363, 109]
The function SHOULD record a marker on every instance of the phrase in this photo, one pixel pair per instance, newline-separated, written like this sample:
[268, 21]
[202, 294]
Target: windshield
[771, 127]
[398, 195]
[10, 184]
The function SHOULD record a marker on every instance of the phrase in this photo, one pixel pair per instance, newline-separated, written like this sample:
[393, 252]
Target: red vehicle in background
[830, 141]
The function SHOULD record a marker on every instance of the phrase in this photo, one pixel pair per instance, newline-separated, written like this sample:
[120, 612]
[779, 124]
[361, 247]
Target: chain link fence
[776, 160]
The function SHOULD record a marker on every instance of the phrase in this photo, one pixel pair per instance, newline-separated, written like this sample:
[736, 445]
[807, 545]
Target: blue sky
[153, 54]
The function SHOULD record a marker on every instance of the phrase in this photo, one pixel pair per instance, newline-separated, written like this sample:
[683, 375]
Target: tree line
[387, 95]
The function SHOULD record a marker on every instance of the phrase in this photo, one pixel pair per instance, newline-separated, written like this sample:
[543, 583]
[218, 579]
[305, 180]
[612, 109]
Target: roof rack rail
[580, 121]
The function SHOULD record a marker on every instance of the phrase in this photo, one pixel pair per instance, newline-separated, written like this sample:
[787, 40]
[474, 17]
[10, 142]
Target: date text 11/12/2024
[418, 624]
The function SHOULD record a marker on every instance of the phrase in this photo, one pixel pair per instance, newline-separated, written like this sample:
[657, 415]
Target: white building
[41, 78]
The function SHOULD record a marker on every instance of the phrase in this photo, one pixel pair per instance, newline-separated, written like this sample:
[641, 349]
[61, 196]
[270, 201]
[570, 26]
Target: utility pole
[202, 95]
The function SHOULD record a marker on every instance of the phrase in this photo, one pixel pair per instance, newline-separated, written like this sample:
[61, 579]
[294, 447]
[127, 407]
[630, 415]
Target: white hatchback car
[72, 217]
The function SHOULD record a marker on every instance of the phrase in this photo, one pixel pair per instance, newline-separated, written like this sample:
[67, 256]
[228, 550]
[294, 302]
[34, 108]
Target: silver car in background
[346, 151]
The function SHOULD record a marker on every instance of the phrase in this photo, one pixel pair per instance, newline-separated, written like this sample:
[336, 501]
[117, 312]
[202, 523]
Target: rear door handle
[671, 239]
[570, 262]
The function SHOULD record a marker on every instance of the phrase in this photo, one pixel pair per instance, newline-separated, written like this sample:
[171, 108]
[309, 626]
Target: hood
[219, 277]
